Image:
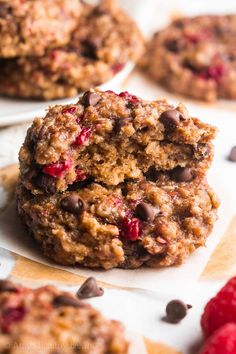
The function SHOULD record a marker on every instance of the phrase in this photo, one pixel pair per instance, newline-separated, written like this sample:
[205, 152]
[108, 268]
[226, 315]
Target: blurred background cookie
[104, 41]
[29, 27]
[195, 57]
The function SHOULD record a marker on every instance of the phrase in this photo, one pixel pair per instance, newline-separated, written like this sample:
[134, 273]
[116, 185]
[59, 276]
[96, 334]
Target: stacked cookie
[117, 181]
[58, 48]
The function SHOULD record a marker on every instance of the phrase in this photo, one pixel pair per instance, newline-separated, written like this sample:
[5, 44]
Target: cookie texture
[117, 181]
[104, 41]
[29, 27]
[153, 223]
[109, 138]
[46, 320]
[195, 57]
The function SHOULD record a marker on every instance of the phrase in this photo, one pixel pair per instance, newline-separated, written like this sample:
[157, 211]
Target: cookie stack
[57, 48]
[117, 181]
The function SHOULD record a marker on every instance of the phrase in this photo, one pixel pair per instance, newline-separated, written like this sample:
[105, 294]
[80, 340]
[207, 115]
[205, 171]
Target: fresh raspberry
[223, 341]
[83, 136]
[221, 309]
[130, 229]
[11, 315]
[70, 110]
[127, 96]
[57, 169]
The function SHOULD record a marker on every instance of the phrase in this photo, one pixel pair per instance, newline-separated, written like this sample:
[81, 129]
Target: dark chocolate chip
[6, 285]
[45, 182]
[89, 289]
[90, 98]
[152, 174]
[232, 155]
[182, 174]
[176, 310]
[174, 45]
[90, 47]
[73, 204]
[121, 122]
[170, 119]
[66, 300]
[145, 212]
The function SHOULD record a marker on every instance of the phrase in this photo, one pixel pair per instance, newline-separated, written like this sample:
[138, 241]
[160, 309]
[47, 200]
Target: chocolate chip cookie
[195, 57]
[104, 41]
[109, 138]
[46, 320]
[133, 224]
[29, 27]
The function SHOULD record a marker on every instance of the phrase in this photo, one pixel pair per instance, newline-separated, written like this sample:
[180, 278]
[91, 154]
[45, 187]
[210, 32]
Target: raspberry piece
[127, 96]
[57, 169]
[11, 315]
[215, 72]
[110, 91]
[80, 175]
[70, 110]
[223, 341]
[220, 310]
[117, 67]
[83, 136]
[130, 229]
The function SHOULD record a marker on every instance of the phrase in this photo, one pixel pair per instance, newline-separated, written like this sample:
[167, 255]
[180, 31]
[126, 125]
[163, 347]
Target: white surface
[13, 111]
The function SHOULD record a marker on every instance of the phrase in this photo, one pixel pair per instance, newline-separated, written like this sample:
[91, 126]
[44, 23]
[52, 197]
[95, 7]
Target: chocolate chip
[89, 289]
[182, 174]
[66, 300]
[121, 122]
[145, 212]
[176, 310]
[6, 285]
[170, 119]
[232, 155]
[73, 204]
[90, 98]
[152, 174]
[45, 182]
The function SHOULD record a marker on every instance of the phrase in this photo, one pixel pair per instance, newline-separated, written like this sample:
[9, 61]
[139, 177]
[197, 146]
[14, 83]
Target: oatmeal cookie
[29, 27]
[109, 138]
[136, 223]
[104, 41]
[195, 57]
[49, 321]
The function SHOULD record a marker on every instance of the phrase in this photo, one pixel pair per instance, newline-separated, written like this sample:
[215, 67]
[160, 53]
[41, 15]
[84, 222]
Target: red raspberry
[70, 110]
[80, 175]
[215, 72]
[223, 341]
[83, 136]
[117, 67]
[130, 229]
[11, 315]
[57, 169]
[127, 96]
[221, 309]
